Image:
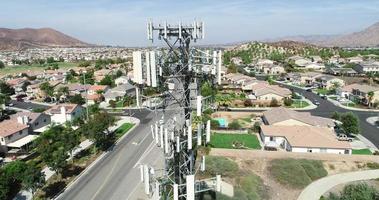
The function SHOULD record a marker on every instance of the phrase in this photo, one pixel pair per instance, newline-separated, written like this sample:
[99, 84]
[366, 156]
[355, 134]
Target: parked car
[324, 97]
[309, 90]
[316, 103]
[343, 137]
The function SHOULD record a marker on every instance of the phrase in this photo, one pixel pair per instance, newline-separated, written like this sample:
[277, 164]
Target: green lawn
[33, 67]
[299, 104]
[123, 129]
[362, 151]
[322, 91]
[225, 140]
[296, 173]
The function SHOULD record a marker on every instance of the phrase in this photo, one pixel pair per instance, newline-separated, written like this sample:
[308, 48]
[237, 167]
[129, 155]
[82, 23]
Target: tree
[52, 148]
[215, 124]
[370, 96]
[47, 88]
[207, 90]
[77, 99]
[107, 80]
[350, 123]
[336, 116]
[6, 89]
[84, 64]
[112, 103]
[234, 125]
[97, 130]
[33, 177]
[2, 65]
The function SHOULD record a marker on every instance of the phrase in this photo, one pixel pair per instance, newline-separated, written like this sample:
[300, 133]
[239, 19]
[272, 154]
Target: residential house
[64, 112]
[265, 93]
[355, 59]
[328, 81]
[14, 135]
[359, 92]
[367, 67]
[120, 91]
[281, 116]
[303, 139]
[337, 71]
[308, 78]
[315, 66]
[122, 80]
[299, 61]
[100, 74]
[38, 122]
[95, 93]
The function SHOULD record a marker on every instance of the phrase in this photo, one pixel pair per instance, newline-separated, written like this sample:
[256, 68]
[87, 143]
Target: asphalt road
[117, 174]
[326, 108]
[27, 105]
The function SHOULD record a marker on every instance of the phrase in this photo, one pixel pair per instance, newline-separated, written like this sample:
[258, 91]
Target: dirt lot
[259, 161]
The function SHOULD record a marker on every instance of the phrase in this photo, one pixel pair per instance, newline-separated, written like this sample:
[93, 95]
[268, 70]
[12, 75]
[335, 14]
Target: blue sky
[123, 22]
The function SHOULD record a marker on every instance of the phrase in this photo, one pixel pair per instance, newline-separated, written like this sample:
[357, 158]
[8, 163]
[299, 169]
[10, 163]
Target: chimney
[20, 120]
[25, 119]
[63, 110]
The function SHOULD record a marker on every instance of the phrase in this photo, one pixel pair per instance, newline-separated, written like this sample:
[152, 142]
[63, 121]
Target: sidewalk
[323, 185]
[27, 195]
[351, 108]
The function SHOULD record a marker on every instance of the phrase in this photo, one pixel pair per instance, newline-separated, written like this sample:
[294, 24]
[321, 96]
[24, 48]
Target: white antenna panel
[214, 66]
[152, 131]
[199, 127]
[208, 132]
[219, 67]
[161, 135]
[190, 187]
[137, 67]
[156, 134]
[218, 183]
[142, 172]
[177, 144]
[166, 141]
[147, 58]
[202, 166]
[189, 138]
[153, 68]
[176, 191]
[198, 105]
[147, 179]
[137, 97]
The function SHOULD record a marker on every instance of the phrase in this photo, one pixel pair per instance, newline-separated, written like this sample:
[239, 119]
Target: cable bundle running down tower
[178, 72]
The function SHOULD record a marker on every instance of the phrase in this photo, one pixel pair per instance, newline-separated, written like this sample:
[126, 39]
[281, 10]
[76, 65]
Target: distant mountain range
[19, 39]
[368, 37]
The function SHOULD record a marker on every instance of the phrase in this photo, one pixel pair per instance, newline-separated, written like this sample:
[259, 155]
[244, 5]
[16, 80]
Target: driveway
[321, 186]
[27, 105]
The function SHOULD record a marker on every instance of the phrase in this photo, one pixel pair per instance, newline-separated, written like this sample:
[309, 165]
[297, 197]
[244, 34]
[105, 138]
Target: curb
[69, 185]
[336, 103]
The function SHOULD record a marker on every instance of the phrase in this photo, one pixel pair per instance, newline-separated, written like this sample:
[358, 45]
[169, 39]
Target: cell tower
[178, 70]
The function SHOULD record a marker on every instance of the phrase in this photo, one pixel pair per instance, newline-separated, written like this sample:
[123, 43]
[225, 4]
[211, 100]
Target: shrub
[373, 165]
[359, 191]
[217, 165]
[288, 102]
[274, 103]
[234, 125]
[296, 173]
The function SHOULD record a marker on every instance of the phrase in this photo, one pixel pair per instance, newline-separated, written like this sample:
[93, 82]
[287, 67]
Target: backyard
[234, 141]
[299, 104]
[362, 151]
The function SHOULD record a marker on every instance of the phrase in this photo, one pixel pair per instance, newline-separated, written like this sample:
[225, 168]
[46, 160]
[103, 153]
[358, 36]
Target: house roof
[360, 87]
[98, 87]
[327, 77]
[306, 136]
[9, 127]
[56, 109]
[263, 88]
[32, 116]
[280, 114]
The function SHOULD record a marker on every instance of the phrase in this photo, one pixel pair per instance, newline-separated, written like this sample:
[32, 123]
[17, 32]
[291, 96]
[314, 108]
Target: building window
[20, 132]
[347, 151]
[44, 120]
[2, 139]
[36, 124]
[310, 150]
[271, 138]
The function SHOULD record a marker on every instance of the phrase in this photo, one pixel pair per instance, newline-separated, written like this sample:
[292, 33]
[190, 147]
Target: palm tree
[370, 96]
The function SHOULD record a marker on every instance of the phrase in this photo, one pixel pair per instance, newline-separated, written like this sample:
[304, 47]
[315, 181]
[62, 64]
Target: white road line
[147, 151]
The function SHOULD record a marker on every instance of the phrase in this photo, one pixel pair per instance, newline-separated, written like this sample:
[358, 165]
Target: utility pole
[84, 83]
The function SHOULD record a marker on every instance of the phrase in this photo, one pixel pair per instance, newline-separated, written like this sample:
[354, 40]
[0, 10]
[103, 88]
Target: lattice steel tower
[179, 71]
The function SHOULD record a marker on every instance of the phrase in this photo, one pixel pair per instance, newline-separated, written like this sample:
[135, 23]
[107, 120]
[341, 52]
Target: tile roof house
[11, 131]
[119, 92]
[35, 121]
[62, 113]
[359, 92]
[287, 117]
[303, 139]
[263, 91]
[328, 81]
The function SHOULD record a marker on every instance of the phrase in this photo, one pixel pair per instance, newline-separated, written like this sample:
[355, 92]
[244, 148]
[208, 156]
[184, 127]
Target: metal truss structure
[178, 71]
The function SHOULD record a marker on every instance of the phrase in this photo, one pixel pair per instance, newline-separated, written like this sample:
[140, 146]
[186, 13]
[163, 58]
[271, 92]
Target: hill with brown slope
[18, 39]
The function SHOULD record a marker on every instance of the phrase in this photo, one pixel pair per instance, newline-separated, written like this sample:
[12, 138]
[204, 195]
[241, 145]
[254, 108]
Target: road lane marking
[147, 151]
[106, 179]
